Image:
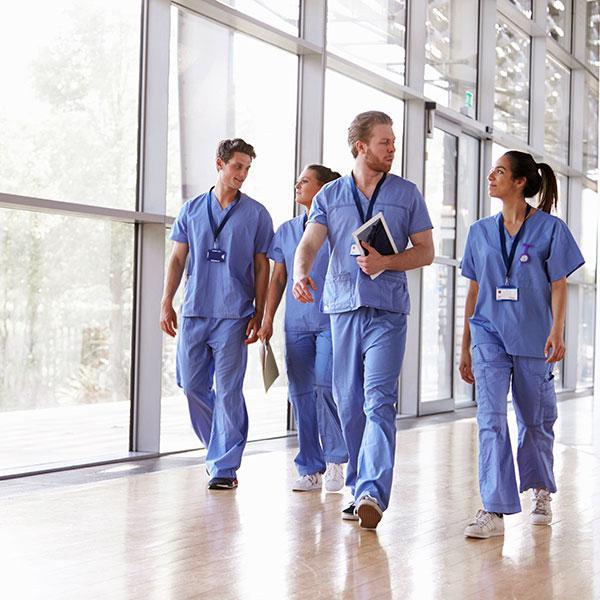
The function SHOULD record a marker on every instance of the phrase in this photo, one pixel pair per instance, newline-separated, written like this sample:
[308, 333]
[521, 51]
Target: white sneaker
[334, 477]
[541, 513]
[307, 483]
[485, 525]
[369, 513]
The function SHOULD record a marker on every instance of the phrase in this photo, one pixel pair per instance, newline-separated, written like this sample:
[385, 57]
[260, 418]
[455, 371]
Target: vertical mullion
[150, 238]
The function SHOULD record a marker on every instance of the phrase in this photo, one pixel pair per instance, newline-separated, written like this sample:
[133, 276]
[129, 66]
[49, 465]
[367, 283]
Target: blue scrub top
[221, 290]
[346, 286]
[298, 316]
[522, 327]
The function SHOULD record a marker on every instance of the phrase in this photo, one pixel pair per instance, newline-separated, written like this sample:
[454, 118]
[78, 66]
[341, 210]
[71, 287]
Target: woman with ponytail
[517, 262]
[308, 349]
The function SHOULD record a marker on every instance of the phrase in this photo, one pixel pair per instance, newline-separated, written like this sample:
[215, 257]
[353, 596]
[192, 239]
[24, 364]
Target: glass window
[69, 109]
[558, 21]
[344, 99]
[65, 338]
[593, 34]
[590, 129]
[370, 33]
[440, 190]
[524, 6]
[556, 115]
[437, 345]
[218, 92]
[451, 54]
[511, 98]
[240, 104]
[586, 296]
[588, 242]
[282, 14]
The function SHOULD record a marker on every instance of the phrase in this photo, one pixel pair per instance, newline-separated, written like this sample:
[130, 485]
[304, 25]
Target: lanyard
[509, 258]
[217, 230]
[304, 221]
[359, 208]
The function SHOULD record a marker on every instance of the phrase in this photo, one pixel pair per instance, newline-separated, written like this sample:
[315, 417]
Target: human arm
[420, 255]
[309, 246]
[261, 282]
[555, 340]
[175, 269]
[274, 295]
[465, 366]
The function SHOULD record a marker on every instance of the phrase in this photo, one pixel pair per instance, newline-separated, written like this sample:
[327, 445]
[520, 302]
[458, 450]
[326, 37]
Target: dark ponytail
[323, 174]
[539, 178]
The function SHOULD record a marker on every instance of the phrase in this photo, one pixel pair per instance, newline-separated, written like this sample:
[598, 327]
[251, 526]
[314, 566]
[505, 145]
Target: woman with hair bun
[518, 262]
[308, 349]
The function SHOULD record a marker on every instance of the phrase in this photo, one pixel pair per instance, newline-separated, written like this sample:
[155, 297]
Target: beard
[375, 164]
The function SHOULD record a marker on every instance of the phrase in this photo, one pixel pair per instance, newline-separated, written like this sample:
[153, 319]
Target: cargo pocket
[337, 294]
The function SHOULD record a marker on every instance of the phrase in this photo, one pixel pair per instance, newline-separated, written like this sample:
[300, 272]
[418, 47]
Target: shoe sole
[483, 536]
[304, 490]
[541, 523]
[368, 516]
[222, 487]
[334, 489]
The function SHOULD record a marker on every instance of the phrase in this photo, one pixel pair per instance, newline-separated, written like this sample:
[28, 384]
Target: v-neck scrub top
[221, 289]
[522, 327]
[347, 288]
[298, 316]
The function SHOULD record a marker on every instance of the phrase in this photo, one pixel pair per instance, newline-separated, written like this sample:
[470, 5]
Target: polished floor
[151, 530]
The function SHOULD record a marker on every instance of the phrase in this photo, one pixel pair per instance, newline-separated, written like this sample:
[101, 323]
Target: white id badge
[507, 293]
[354, 251]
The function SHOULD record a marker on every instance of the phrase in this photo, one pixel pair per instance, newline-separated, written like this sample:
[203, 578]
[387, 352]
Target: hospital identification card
[507, 293]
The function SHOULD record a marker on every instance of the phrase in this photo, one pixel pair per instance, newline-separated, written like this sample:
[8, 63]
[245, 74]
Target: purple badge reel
[525, 256]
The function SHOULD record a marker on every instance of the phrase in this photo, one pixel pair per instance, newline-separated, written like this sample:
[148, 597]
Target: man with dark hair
[224, 236]
[368, 316]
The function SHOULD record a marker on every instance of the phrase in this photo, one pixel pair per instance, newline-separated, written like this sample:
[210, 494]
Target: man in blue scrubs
[224, 236]
[368, 316]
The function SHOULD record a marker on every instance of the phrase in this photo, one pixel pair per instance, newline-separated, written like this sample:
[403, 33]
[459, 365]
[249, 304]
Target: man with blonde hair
[368, 316]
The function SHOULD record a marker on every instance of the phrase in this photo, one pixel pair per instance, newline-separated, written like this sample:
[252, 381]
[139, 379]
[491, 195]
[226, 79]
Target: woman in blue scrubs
[321, 447]
[518, 262]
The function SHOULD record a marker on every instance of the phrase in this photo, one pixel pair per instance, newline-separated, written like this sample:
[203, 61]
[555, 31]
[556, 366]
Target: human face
[233, 173]
[501, 183]
[378, 153]
[307, 185]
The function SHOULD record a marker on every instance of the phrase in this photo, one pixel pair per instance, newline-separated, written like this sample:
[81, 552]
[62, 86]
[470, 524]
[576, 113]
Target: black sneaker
[222, 483]
[349, 513]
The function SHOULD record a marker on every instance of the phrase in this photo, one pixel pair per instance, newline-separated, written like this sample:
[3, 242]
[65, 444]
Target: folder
[270, 371]
[377, 234]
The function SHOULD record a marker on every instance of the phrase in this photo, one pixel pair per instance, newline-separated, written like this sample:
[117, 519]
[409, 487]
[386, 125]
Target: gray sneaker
[541, 513]
[485, 525]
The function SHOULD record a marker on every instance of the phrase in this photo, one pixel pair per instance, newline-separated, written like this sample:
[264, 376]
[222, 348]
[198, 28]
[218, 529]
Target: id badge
[216, 255]
[354, 250]
[507, 293]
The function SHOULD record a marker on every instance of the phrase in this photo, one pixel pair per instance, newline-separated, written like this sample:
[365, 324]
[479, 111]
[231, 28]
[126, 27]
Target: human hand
[373, 262]
[555, 343]
[168, 319]
[252, 330]
[465, 366]
[301, 290]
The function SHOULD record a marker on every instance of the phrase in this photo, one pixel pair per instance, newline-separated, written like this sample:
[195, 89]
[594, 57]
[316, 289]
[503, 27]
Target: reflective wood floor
[151, 530]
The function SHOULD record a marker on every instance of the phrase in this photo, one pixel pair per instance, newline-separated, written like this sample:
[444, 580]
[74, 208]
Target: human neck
[225, 195]
[365, 177]
[514, 210]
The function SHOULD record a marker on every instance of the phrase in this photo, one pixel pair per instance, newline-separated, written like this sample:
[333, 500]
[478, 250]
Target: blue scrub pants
[368, 348]
[214, 348]
[534, 402]
[309, 365]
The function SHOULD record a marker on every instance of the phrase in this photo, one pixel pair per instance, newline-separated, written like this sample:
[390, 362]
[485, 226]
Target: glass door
[451, 193]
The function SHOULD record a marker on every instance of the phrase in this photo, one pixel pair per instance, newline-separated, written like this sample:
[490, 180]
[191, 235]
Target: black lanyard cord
[509, 258]
[217, 230]
[359, 207]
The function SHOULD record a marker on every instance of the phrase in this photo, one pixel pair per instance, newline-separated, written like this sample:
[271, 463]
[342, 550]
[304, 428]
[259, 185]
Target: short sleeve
[467, 264]
[179, 231]
[318, 211]
[419, 215]
[565, 256]
[275, 251]
[264, 232]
